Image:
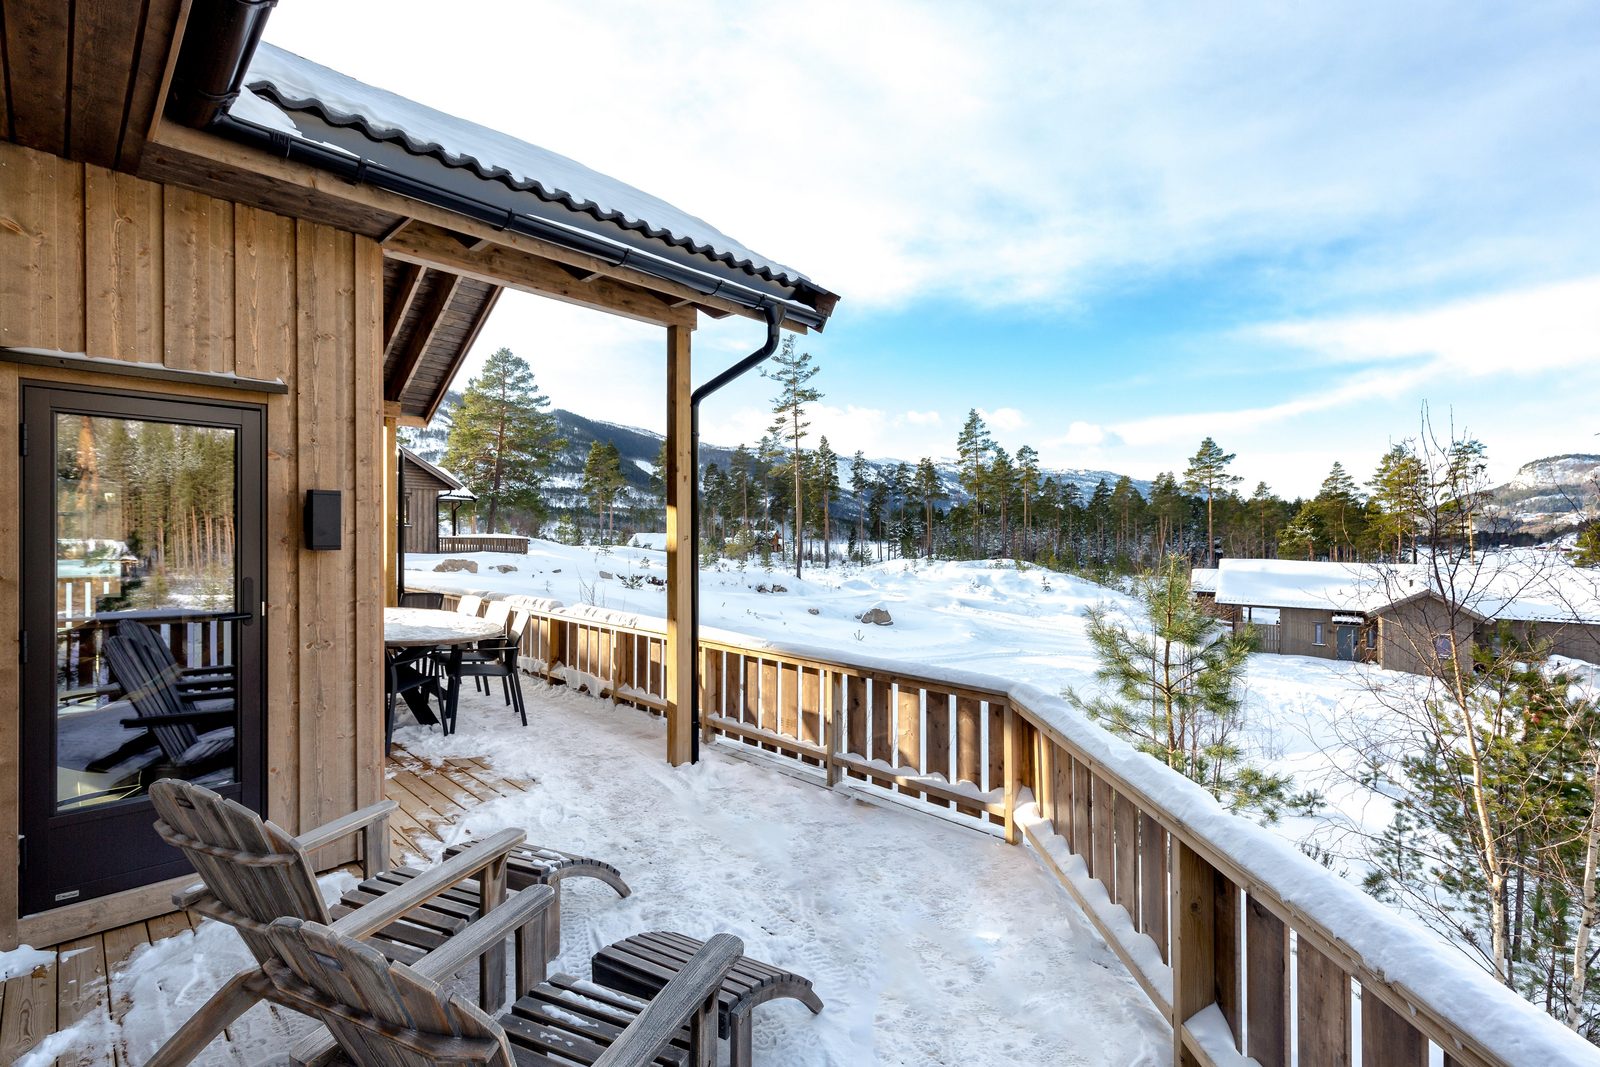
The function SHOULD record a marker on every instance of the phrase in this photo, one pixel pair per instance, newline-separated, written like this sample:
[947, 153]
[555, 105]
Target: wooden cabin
[423, 485]
[1406, 617]
[220, 297]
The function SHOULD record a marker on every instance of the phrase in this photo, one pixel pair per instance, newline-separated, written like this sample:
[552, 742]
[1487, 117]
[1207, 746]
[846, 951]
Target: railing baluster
[1387, 1038]
[936, 739]
[882, 719]
[1229, 959]
[1104, 841]
[858, 714]
[1194, 958]
[1266, 986]
[1322, 1008]
[751, 709]
[810, 700]
[969, 741]
[1126, 818]
[769, 699]
[1153, 893]
[1082, 810]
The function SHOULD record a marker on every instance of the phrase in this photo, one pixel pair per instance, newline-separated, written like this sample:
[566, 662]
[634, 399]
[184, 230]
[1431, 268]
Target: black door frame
[122, 830]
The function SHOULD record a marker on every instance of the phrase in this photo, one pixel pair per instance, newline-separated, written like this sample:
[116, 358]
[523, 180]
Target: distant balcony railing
[1242, 942]
[483, 543]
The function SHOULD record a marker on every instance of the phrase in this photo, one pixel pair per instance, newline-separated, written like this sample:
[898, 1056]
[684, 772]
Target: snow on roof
[1514, 586]
[288, 93]
[1292, 583]
[1203, 580]
[1526, 587]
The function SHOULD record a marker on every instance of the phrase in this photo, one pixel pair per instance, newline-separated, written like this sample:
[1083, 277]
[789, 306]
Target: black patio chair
[193, 739]
[494, 658]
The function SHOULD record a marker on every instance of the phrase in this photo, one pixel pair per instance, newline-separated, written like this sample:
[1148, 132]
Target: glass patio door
[142, 564]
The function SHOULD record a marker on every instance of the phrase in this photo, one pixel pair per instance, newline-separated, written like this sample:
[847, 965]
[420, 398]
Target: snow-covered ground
[929, 943]
[1318, 720]
[1015, 624]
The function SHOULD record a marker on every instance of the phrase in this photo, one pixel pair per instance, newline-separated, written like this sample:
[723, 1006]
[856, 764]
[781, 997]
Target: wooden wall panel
[41, 251]
[123, 252]
[108, 264]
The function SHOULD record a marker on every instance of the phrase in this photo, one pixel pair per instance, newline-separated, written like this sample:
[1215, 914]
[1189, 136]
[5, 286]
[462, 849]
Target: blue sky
[1114, 228]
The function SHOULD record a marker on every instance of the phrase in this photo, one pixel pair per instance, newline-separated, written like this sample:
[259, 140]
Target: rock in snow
[877, 617]
[451, 565]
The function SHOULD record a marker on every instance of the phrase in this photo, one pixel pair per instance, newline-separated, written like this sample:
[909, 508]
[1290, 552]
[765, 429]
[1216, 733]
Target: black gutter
[218, 41]
[363, 171]
[775, 316]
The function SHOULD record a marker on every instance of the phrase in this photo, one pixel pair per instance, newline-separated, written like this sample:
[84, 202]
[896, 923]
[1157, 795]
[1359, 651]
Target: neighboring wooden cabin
[190, 272]
[424, 485]
[1407, 617]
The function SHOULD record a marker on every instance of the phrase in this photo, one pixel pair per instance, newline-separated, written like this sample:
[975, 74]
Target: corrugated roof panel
[280, 83]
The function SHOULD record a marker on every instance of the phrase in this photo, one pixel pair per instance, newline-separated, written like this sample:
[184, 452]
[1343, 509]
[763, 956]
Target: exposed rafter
[427, 327]
[394, 312]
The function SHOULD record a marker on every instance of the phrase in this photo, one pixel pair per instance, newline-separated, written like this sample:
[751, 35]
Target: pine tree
[792, 371]
[973, 445]
[1586, 552]
[826, 483]
[1176, 680]
[1466, 466]
[860, 472]
[1206, 474]
[1399, 495]
[930, 490]
[1028, 477]
[603, 481]
[1343, 521]
[502, 439]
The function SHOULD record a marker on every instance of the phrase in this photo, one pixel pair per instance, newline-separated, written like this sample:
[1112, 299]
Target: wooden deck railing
[1243, 943]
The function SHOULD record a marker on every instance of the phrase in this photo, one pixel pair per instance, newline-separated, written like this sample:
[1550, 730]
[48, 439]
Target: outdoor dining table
[414, 632]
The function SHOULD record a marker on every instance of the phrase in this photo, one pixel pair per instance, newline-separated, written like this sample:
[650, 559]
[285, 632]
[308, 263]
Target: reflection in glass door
[142, 551]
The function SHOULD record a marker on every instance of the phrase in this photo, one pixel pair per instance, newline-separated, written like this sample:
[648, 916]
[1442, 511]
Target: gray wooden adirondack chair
[254, 873]
[391, 1015]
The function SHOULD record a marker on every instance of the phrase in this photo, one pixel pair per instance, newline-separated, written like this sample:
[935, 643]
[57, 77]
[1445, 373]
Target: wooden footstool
[536, 865]
[644, 963]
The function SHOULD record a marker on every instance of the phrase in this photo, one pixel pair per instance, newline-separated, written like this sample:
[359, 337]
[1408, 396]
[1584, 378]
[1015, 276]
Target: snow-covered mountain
[1549, 495]
[639, 449]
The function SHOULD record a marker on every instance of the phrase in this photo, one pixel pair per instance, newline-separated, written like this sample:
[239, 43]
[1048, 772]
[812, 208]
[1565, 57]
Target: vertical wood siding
[104, 263]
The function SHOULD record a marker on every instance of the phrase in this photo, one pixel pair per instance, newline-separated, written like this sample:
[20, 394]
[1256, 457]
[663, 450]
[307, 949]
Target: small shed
[423, 487]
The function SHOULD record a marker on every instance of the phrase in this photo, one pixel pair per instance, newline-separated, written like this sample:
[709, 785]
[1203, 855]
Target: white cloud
[1526, 331]
[1019, 155]
[922, 418]
[1084, 435]
[1005, 420]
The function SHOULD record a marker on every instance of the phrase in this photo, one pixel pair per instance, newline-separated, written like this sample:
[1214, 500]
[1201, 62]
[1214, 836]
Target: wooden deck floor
[75, 983]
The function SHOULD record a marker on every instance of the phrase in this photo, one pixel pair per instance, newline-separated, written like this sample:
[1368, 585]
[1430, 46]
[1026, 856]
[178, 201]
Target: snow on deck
[929, 943]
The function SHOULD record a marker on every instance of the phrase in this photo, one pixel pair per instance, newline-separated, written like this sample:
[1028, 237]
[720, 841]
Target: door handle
[247, 594]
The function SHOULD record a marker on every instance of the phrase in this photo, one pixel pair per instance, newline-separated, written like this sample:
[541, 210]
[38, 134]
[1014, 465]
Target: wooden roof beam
[394, 312]
[436, 247]
[427, 327]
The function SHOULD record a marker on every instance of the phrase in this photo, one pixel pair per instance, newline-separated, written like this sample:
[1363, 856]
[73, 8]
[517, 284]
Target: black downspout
[400, 530]
[774, 316]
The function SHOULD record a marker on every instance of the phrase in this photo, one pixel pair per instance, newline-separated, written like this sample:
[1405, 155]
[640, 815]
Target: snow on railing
[1243, 942]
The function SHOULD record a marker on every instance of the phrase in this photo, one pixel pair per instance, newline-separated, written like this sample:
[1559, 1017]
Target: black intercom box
[323, 524]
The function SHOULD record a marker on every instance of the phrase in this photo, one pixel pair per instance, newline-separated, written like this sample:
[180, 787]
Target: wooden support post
[391, 512]
[681, 564]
